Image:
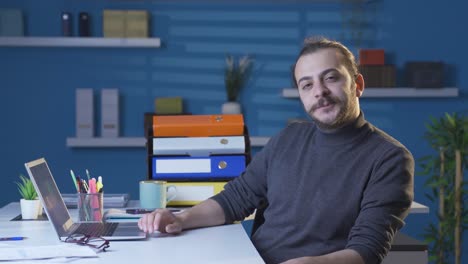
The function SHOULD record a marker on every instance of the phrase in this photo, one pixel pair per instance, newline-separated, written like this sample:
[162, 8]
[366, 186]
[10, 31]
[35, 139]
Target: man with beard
[336, 190]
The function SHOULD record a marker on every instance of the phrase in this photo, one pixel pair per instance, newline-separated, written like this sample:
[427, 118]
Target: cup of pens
[90, 207]
[90, 198]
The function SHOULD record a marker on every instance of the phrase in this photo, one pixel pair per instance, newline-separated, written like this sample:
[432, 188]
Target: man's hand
[206, 213]
[161, 220]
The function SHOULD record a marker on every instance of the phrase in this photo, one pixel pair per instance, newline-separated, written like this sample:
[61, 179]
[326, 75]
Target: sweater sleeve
[244, 194]
[385, 203]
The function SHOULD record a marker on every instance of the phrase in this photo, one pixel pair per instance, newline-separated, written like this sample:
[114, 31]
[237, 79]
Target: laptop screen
[50, 196]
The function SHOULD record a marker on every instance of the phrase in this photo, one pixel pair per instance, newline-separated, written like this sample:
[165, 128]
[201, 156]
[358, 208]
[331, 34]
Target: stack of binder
[197, 153]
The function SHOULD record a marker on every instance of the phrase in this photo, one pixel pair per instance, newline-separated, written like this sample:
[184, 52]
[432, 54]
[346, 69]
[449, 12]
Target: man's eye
[306, 86]
[331, 78]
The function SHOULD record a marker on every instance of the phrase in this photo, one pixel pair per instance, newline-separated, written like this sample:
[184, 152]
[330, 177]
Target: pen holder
[90, 207]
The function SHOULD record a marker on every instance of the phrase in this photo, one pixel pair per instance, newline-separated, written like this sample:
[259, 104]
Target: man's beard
[342, 118]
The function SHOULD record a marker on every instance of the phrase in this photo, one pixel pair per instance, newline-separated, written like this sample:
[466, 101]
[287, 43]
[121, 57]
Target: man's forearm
[345, 256]
[207, 213]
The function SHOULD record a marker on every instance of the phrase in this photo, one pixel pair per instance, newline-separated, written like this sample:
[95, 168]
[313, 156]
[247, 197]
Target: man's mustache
[322, 101]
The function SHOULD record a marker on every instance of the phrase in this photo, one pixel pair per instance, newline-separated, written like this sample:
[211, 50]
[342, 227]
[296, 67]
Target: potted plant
[448, 136]
[30, 205]
[236, 75]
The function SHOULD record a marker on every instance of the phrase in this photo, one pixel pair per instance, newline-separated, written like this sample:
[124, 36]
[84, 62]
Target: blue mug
[154, 194]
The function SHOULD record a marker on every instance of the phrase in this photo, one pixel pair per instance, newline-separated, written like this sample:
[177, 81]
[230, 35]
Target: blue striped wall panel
[38, 84]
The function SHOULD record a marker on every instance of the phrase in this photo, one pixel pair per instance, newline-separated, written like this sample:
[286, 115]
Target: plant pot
[29, 208]
[231, 108]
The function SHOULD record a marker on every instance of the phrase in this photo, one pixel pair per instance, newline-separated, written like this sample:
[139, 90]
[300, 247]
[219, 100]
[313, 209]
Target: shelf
[392, 92]
[106, 142]
[131, 142]
[417, 208]
[92, 42]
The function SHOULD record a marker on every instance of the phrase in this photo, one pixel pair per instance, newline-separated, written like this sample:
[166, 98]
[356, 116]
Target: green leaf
[236, 74]
[26, 188]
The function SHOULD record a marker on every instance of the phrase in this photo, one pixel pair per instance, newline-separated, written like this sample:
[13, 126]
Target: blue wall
[38, 84]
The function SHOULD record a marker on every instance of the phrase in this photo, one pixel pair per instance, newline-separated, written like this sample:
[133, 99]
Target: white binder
[109, 113]
[84, 113]
[199, 146]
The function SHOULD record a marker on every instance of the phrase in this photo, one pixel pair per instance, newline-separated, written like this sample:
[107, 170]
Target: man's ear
[359, 85]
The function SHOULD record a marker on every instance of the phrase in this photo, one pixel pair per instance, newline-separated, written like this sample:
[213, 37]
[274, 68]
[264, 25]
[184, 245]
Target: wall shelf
[91, 42]
[99, 142]
[130, 142]
[418, 208]
[392, 92]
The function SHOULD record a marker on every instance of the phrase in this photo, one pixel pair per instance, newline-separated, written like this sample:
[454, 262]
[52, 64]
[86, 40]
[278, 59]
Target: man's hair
[313, 44]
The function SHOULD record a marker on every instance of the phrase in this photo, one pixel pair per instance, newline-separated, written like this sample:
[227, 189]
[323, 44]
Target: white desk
[222, 244]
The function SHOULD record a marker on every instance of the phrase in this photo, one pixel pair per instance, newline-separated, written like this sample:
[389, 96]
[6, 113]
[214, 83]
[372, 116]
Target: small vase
[29, 208]
[231, 108]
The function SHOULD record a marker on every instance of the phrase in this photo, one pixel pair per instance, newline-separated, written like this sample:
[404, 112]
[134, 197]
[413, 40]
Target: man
[337, 189]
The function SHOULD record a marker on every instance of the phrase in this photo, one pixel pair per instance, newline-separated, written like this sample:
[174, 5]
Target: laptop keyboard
[96, 229]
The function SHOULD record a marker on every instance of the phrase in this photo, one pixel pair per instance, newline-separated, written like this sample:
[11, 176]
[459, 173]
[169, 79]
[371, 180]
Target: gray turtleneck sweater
[349, 189]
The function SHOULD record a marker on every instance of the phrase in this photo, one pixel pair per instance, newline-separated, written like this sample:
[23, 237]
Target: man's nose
[320, 90]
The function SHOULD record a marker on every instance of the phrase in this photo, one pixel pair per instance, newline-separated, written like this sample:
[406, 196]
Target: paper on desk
[114, 213]
[56, 260]
[46, 252]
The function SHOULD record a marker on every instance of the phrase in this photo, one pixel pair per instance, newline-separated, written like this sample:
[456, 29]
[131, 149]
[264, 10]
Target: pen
[87, 174]
[74, 180]
[81, 185]
[85, 185]
[11, 238]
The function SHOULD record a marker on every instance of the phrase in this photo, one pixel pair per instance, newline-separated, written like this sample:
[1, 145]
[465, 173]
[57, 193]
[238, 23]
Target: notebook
[58, 214]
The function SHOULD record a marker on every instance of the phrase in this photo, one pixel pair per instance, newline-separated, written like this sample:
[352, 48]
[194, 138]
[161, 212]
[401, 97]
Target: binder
[192, 193]
[84, 113]
[199, 146]
[197, 168]
[198, 125]
[110, 113]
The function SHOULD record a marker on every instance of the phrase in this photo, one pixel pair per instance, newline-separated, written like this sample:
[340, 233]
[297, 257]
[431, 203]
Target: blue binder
[197, 168]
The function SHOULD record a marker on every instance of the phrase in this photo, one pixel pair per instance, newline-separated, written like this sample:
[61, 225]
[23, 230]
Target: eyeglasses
[98, 243]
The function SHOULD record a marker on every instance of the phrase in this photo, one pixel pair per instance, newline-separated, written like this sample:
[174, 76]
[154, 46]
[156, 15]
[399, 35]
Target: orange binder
[198, 125]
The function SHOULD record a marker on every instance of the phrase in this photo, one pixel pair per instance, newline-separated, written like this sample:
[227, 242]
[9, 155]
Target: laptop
[58, 214]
